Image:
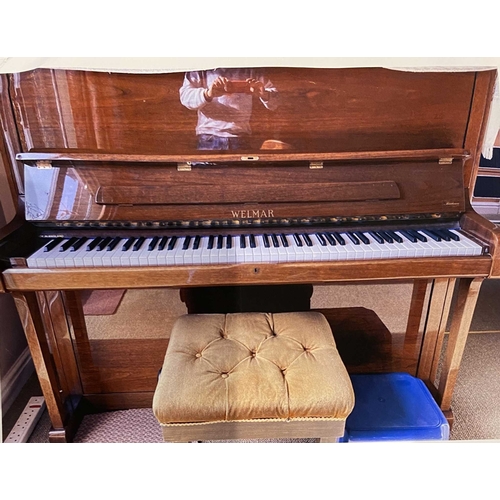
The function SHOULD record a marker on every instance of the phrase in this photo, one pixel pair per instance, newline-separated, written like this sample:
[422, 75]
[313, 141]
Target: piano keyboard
[250, 248]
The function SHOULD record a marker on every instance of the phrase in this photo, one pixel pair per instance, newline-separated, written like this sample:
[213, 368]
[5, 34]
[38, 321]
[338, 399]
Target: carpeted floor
[476, 397]
[475, 405]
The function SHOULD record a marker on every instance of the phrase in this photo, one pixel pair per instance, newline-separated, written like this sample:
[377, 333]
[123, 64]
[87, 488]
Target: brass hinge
[184, 167]
[316, 164]
[44, 164]
[445, 161]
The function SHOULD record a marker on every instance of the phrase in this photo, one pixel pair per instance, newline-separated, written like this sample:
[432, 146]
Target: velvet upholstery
[252, 366]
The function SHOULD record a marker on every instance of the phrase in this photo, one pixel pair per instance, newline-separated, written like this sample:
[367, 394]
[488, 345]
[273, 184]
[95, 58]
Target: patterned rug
[101, 302]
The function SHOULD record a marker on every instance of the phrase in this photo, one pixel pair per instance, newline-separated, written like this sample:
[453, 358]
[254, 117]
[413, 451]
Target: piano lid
[282, 111]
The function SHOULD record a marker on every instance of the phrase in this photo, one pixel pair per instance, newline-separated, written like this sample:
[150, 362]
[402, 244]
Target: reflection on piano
[373, 185]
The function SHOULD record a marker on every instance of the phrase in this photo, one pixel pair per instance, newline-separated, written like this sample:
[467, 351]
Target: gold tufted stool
[252, 376]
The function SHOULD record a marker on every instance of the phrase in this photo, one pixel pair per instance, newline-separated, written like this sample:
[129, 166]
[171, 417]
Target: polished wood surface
[357, 148]
[468, 291]
[29, 313]
[244, 274]
[484, 89]
[441, 295]
[67, 109]
[100, 191]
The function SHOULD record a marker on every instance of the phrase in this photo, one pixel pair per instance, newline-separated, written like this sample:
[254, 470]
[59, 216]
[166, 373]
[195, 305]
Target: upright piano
[353, 175]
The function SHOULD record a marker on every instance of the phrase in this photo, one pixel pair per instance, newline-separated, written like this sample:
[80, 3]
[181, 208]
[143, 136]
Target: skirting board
[14, 380]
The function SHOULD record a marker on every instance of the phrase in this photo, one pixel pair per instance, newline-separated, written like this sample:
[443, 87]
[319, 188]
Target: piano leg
[441, 293]
[436, 320]
[61, 409]
[467, 294]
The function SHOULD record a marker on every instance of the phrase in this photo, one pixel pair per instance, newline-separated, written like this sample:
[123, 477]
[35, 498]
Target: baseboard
[15, 379]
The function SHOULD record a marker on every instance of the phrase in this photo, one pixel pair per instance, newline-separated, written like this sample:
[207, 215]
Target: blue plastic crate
[394, 407]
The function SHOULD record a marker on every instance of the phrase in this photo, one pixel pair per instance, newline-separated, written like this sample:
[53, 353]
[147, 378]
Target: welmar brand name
[247, 214]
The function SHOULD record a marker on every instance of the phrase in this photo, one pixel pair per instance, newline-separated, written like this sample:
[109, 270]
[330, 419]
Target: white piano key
[470, 247]
[257, 251]
[205, 252]
[37, 259]
[222, 252]
[51, 255]
[271, 254]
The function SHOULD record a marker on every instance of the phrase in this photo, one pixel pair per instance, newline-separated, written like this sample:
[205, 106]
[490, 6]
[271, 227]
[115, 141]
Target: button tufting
[224, 375]
[198, 355]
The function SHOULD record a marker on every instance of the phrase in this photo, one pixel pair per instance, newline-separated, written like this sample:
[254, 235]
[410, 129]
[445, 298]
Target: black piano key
[298, 240]
[94, 243]
[103, 243]
[409, 236]
[432, 235]
[418, 235]
[377, 237]
[386, 236]
[339, 238]
[126, 246]
[163, 243]
[229, 242]
[187, 241]
[78, 244]
[395, 236]
[138, 244]
[153, 243]
[252, 241]
[171, 243]
[67, 244]
[196, 242]
[353, 238]
[453, 236]
[331, 239]
[362, 237]
[243, 243]
[321, 239]
[275, 241]
[284, 240]
[220, 242]
[308, 241]
[265, 237]
[211, 240]
[443, 236]
[52, 244]
[113, 243]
